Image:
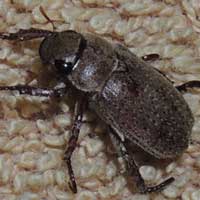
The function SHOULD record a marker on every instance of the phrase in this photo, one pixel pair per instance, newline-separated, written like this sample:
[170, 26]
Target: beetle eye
[63, 67]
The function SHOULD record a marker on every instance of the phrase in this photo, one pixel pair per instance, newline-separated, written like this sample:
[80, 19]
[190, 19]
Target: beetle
[136, 101]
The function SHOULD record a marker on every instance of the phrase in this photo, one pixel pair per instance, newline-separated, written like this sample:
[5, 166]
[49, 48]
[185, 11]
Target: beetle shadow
[144, 158]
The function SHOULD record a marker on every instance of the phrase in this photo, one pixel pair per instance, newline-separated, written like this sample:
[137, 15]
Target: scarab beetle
[139, 104]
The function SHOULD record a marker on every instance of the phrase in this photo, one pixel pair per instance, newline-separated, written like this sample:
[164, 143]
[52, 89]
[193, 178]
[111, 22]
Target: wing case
[141, 104]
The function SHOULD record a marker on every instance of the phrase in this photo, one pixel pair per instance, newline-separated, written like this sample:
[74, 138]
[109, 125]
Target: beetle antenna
[47, 17]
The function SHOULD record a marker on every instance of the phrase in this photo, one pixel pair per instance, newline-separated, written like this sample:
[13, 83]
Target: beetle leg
[25, 34]
[35, 91]
[133, 168]
[77, 121]
[150, 57]
[183, 87]
[187, 85]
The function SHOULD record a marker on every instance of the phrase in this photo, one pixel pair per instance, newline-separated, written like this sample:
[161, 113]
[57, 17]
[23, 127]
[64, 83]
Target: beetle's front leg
[77, 121]
[25, 34]
[35, 91]
[133, 168]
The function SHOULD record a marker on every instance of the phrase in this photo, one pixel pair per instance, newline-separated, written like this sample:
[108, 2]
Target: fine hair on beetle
[138, 103]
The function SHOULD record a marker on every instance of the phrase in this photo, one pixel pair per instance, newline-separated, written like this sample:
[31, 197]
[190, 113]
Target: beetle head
[62, 50]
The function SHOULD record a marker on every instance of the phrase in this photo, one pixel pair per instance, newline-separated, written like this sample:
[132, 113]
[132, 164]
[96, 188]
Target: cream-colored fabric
[31, 145]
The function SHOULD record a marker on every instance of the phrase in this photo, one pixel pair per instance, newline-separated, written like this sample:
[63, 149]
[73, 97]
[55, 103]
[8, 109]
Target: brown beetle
[139, 105]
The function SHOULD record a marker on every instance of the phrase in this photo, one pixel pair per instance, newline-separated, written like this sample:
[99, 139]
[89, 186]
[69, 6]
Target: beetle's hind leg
[25, 34]
[133, 168]
[77, 121]
[35, 91]
[190, 84]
